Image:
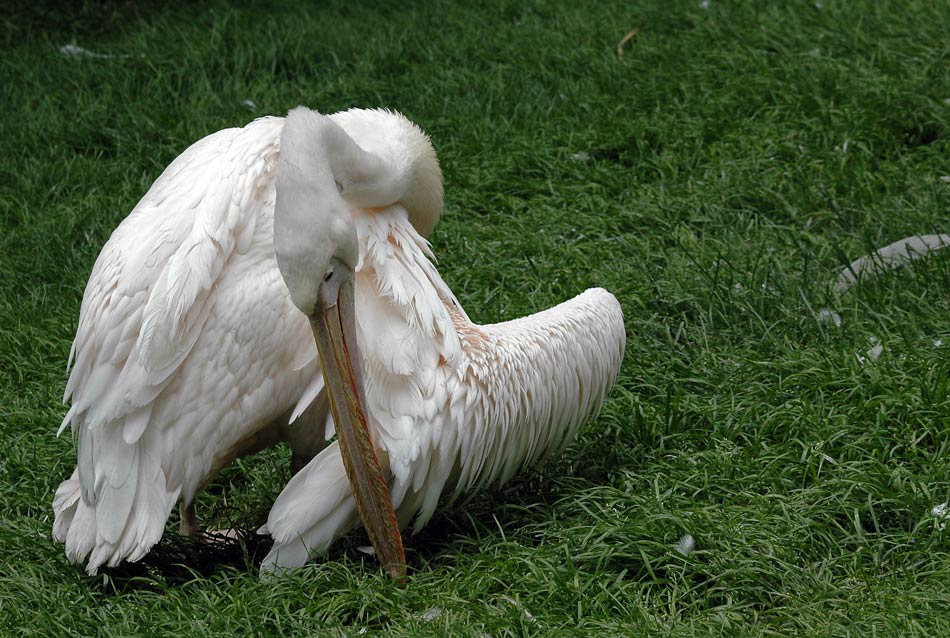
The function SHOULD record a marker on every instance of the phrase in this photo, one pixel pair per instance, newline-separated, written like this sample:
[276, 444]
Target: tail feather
[314, 509]
[81, 536]
[64, 506]
[114, 506]
[117, 474]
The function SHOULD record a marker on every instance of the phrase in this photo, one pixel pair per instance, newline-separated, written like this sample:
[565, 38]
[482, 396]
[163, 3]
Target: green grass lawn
[715, 178]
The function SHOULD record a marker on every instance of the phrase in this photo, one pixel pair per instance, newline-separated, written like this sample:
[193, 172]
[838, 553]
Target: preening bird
[197, 333]
[196, 338]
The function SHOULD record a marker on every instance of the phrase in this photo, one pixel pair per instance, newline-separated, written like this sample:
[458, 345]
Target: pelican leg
[189, 527]
[189, 521]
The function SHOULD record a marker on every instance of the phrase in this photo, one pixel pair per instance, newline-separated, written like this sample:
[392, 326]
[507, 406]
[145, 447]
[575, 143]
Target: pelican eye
[329, 275]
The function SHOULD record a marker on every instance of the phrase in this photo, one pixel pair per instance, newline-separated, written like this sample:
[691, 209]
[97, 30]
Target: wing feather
[153, 284]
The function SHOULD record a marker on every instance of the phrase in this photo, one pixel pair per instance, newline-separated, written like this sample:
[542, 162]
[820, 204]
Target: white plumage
[189, 353]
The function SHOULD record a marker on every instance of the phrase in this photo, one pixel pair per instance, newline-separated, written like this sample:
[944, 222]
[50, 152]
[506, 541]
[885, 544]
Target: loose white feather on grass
[889, 257]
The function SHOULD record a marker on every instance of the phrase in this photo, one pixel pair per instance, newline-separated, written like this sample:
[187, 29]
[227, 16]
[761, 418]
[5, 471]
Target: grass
[715, 178]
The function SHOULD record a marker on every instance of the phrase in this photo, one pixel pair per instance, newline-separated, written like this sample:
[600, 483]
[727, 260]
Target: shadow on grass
[178, 560]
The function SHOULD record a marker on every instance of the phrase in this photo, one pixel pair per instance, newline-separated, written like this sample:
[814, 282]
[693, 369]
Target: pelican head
[366, 159]
[408, 151]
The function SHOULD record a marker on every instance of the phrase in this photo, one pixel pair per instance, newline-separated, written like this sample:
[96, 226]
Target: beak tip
[397, 571]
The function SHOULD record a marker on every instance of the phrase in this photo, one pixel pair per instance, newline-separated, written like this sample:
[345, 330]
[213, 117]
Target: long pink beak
[334, 329]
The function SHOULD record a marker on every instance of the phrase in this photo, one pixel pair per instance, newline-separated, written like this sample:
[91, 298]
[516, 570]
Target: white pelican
[452, 405]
